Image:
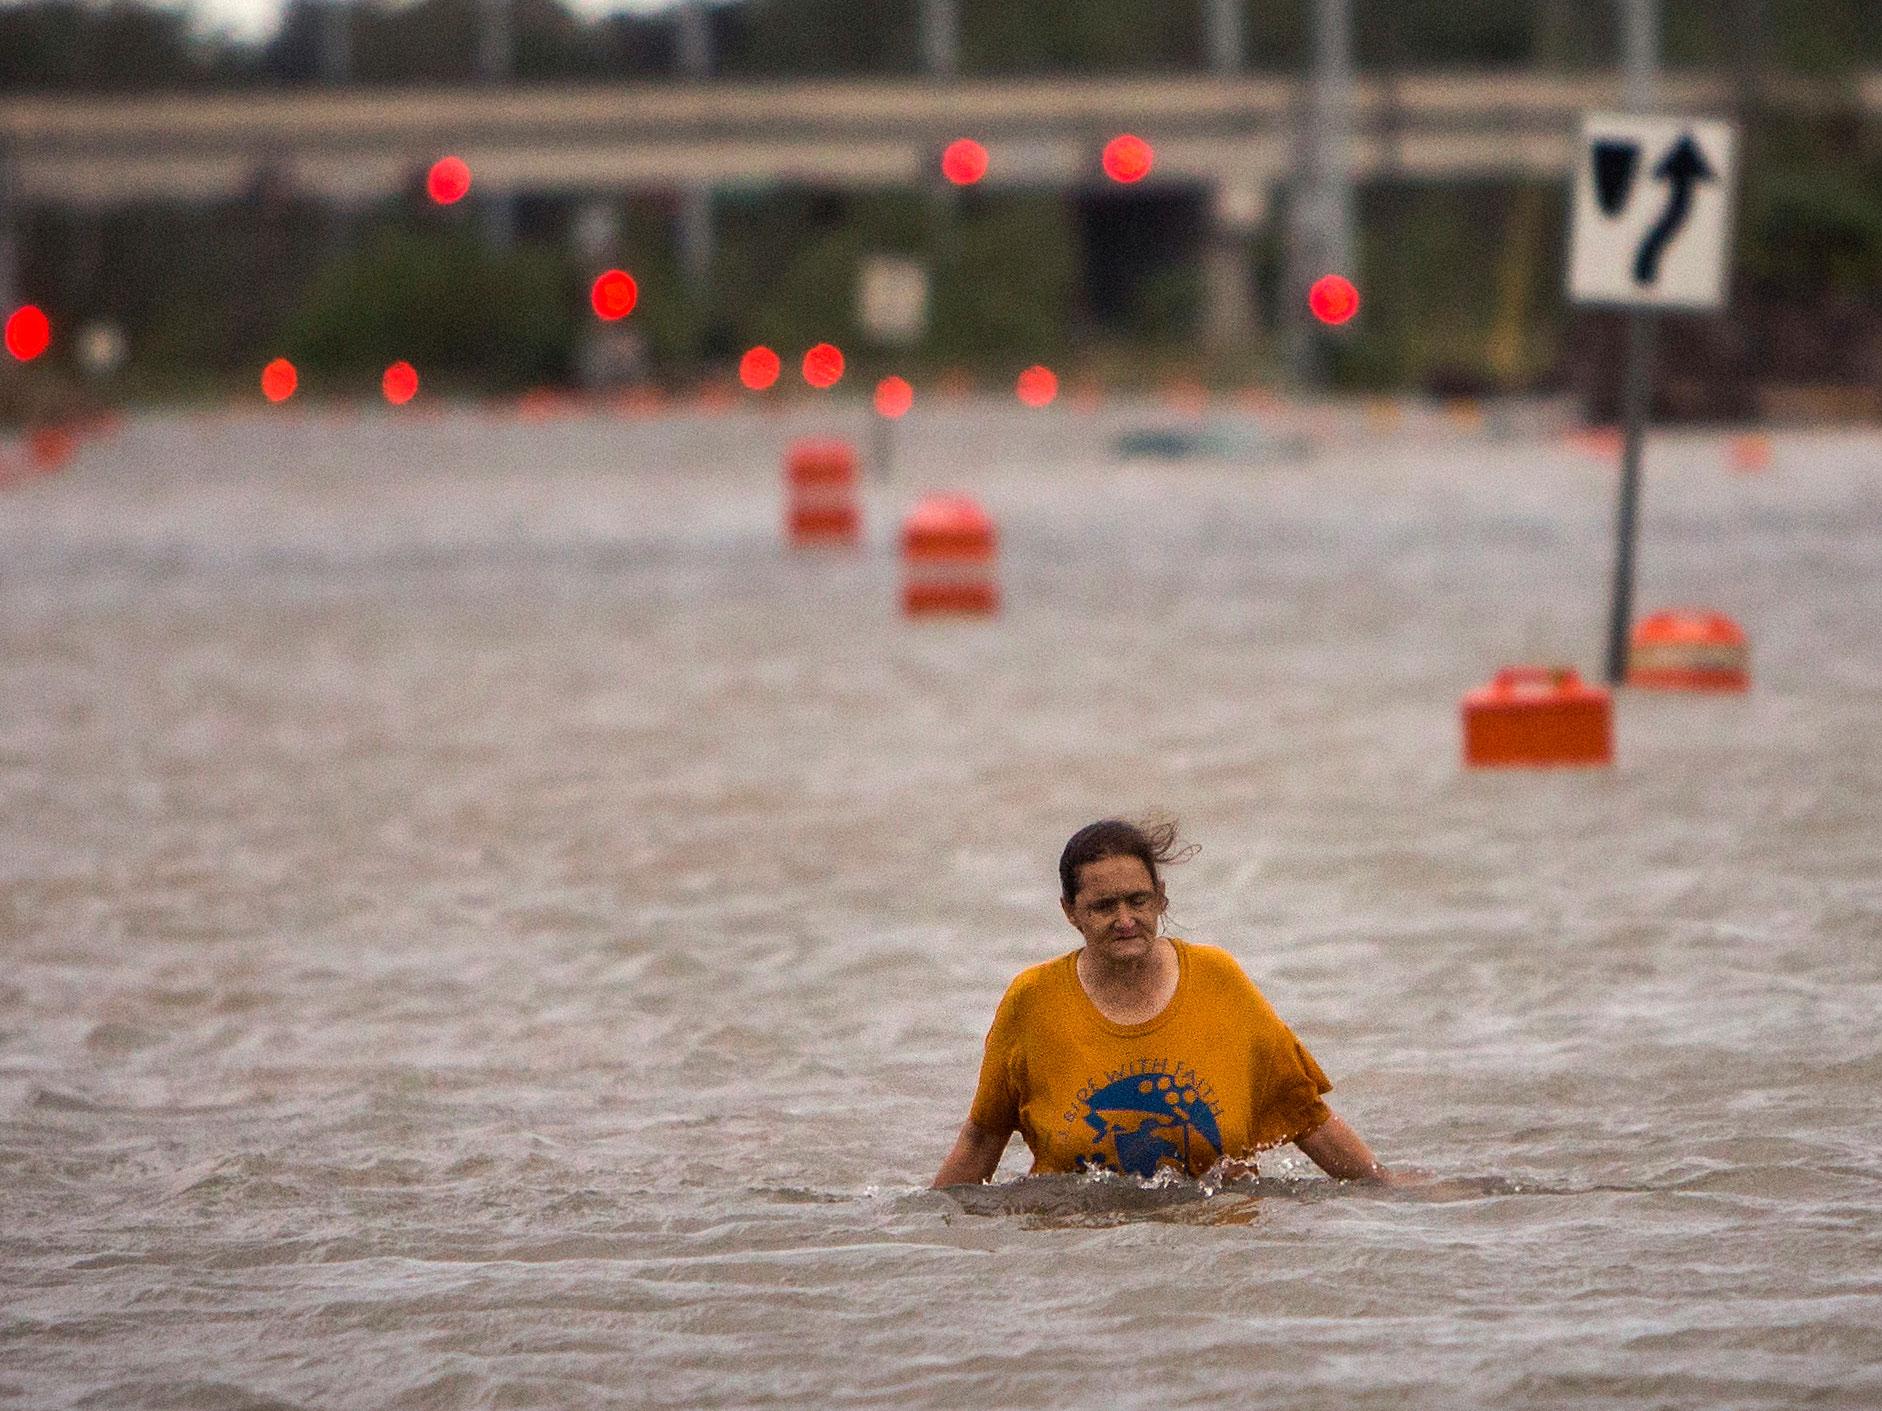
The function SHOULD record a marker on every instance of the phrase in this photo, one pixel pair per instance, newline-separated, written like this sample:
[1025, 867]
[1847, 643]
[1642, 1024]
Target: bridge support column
[1229, 316]
[698, 239]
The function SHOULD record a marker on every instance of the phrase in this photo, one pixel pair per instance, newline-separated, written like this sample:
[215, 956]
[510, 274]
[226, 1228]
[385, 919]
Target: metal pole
[1226, 49]
[9, 248]
[693, 42]
[1635, 408]
[1322, 209]
[495, 63]
[940, 38]
[333, 58]
[1640, 53]
[884, 439]
[1640, 64]
[494, 58]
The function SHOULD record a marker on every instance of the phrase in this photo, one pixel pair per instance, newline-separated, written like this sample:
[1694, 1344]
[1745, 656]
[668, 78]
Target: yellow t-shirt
[1215, 1074]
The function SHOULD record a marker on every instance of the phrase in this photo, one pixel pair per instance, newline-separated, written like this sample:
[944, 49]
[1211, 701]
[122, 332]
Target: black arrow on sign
[1685, 166]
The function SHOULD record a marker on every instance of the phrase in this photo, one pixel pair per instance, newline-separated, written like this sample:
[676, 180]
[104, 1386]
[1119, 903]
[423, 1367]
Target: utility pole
[1227, 51]
[1235, 210]
[941, 38]
[1321, 224]
[333, 43]
[692, 41]
[495, 59]
[696, 234]
[495, 65]
[9, 248]
[1640, 68]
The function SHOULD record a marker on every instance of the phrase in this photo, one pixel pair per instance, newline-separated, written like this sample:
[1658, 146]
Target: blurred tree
[1009, 278]
[119, 46]
[819, 37]
[443, 300]
[1060, 36]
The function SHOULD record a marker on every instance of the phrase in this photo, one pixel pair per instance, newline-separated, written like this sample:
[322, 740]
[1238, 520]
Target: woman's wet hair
[1151, 842]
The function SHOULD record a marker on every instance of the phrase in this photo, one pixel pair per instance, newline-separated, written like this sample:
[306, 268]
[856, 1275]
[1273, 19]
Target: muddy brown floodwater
[484, 926]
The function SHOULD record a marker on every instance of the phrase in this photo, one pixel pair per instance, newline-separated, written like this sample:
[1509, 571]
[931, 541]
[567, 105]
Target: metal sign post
[1636, 406]
[1651, 210]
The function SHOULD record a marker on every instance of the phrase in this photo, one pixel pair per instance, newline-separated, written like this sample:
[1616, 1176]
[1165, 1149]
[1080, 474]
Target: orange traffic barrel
[1751, 454]
[1689, 650]
[948, 545]
[50, 448]
[1538, 715]
[820, 506]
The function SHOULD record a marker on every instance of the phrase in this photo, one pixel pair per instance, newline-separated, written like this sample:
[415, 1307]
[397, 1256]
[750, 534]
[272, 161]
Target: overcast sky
[257, 19]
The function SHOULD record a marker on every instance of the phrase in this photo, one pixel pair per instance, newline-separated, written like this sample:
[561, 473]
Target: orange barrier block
[1751, 454]
[1537, 715]
[545, 404]
[640, 402]
[1465, 413]
[1689, 650]
[948, 548]
[50, 448]
[820, 480]
[1186, 396]
[1602, 442]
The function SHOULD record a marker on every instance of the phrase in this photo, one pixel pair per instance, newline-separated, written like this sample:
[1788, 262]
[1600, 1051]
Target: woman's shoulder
[1215, 966]
[1212, 960]
[1035, 982]
[1037, 977]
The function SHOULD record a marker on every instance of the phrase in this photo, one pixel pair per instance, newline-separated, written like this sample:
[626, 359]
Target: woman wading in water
[1141, 1050]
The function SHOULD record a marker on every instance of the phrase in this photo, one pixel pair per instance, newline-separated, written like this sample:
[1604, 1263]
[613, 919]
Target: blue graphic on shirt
[1150, 1118]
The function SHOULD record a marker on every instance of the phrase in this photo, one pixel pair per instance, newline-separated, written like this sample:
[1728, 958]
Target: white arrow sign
[1652, 212]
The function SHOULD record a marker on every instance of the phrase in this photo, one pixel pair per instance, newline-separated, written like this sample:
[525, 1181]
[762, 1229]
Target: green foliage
[822, 37]
[442, 300]
[1443, 33]
[1817, 230]
[1079, 35]
[1009, 279]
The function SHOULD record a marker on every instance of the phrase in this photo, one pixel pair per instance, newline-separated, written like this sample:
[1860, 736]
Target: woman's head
[1151, 842]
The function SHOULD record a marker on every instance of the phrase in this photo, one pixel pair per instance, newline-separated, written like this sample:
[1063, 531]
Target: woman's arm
[976, 1156]
[1342, 1153]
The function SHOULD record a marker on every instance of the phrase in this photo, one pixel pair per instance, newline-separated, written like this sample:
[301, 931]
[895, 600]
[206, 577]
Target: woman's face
[1116, 908]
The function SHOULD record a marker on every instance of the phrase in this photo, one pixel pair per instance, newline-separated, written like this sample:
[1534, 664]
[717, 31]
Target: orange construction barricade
[948, 545]
[820, 494]
[1689, 649]
[1537, 715]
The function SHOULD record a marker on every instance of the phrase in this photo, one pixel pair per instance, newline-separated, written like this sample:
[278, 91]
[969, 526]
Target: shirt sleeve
[1288, 1082]
[996, 1099]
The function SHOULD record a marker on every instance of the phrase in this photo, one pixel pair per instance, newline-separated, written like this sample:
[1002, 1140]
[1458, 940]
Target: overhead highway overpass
[1238, 136]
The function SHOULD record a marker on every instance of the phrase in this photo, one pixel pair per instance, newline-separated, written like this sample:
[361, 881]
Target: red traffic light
[614, 295]
[1128, 158]
[1037, 386]
[278, 380]
[28, 332]
[400, 384]
[823, 366]
[759, 368]
[1333, 299]
[448, 181]
[894, 396]
[964, 162]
